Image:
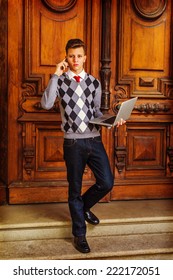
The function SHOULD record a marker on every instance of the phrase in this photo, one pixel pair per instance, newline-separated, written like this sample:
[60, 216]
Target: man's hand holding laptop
[121, 122]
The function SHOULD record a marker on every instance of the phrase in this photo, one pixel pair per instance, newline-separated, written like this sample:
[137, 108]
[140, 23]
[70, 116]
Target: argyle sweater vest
[77, 103]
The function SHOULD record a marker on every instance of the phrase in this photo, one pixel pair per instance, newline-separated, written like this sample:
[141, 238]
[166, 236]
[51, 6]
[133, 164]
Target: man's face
[76, 58]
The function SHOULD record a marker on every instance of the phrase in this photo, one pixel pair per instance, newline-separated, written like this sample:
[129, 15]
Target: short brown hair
[75, 43]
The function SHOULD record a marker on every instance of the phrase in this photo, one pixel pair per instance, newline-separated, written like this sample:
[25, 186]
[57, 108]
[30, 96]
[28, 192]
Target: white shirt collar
[71, 74]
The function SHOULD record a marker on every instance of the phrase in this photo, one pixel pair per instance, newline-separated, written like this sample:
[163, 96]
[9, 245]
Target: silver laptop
[123, 113]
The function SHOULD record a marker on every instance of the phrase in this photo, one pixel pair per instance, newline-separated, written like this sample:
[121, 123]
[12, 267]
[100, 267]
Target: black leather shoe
[91, 218]
[81, 244]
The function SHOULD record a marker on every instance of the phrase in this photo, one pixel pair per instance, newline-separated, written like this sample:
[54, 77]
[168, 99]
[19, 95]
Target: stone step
[49, 221]
[127, 230]
[145, 246]
[57, 230]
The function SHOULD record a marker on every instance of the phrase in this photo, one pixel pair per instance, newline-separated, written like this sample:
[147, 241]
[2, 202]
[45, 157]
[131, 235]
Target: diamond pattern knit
[77, 102]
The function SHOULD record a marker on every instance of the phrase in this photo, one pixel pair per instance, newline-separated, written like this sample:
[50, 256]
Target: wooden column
[105, 71]
[3, 100]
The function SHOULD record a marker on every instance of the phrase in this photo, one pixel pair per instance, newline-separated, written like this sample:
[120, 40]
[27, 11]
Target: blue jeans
[78, 153]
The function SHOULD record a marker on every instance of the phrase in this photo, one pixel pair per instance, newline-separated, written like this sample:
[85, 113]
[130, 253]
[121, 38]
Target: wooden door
[38, 32]
[142, 66]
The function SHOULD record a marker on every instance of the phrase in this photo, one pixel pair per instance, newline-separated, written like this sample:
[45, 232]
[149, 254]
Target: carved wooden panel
[143, 161]
[144, 49]
[49, 153]
[48, 25]
[146, 148]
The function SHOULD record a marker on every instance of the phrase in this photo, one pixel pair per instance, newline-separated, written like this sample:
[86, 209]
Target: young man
[79, 96]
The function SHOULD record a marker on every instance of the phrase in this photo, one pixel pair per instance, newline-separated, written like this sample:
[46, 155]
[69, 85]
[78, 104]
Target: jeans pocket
[69, 142]
[97, 139]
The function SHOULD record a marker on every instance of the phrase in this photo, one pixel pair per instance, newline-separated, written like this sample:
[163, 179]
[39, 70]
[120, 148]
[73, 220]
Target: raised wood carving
[148, 108]
[55, 107]
[29, 90]
[121, 154]
[29, 154]
[170, 154]
[146, 82]
[150, 9]
[152, 108]
[56, 7]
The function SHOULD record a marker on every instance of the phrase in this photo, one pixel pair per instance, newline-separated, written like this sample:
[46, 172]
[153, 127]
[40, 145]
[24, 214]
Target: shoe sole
[84, 252]
[91, 222]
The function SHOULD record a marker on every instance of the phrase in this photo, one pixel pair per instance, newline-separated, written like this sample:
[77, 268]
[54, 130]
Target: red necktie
[77, 78]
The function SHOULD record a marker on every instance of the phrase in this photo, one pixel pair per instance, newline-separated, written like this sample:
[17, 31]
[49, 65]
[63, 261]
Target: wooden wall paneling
[132, 31]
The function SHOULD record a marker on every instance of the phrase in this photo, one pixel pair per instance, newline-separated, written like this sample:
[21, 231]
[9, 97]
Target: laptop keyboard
[110, 120]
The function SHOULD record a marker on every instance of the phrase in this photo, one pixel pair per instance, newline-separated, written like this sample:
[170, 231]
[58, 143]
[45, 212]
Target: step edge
[102, 221]
[99, 231]
[99, 255]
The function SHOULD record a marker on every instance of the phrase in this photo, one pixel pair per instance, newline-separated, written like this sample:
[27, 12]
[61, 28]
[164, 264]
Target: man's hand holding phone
[61, 67]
